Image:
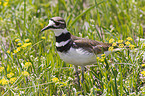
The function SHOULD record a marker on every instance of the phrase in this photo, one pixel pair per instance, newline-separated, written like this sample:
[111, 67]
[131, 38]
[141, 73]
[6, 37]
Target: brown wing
[91, 45]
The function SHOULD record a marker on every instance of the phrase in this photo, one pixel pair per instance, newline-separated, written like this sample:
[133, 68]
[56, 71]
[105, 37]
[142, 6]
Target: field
[30, 65]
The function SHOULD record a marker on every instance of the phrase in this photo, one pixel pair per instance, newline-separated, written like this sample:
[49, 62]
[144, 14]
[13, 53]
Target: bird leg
[76, 68]
[82, 80]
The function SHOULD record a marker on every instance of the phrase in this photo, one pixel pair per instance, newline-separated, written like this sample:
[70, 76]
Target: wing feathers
[91, 45]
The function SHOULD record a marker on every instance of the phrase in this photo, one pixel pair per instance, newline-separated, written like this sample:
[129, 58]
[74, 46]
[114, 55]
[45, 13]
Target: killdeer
[75, 50]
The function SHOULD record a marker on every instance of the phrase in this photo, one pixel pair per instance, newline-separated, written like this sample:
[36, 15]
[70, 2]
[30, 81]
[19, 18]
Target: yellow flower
[120, 41]
[131, 46]
[143, 65]
[18, 49]
[29, 44]
[7, 0]
[17, 40]
[15, 51]
[98, 58]
[19, 44]
[1, 69]
[8, 51]
[114, 44]
[111, 48]
[26, 44]
[101, 59]
[5, 4]
[129, 39]
[62, 84]
[12, 80]
[143, 45]
[27, 64]
[0, 2]
[27, 40]
[10, 75]
[143, 72]
[43, 37]
[4, 81]
[111, 40]
[103, 55]
[55, 79]
[127, 43]
[8, 68]
[25, 73]
[121, 45]
[41, 24]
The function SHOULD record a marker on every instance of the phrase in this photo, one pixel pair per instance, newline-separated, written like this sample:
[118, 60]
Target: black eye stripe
[57, 23]
[60, 24]
[61, 21]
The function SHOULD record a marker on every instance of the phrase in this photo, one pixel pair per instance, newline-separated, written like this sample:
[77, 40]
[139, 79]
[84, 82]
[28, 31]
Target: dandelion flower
[43, 37]
[0, 2]
[143, 44]
[55, 79]
[114, 44]
[121, 45]
[41, 24]
[19, 44]
[5, 3]
[111, 48]
[101, 59]
[27, 40]
[12, 80]
[62, 84]
[127, 43]
[143, 65]
[98, 58]
[27, 64]
[1, 69]
[111, 40]
[10, 75]
[120, 41]
[19, 48]
[4, 81]
[131, 46]
[129, 39]
[26, 44]
[29, 44]
[15, 51]
[143, 72]
[8, 51]
[103, 55]
[25, 73]
[17, 40]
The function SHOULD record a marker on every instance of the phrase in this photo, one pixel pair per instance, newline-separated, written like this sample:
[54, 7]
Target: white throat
[58, 32]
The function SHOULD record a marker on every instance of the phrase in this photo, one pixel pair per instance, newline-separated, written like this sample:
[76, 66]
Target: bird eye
[57, 23]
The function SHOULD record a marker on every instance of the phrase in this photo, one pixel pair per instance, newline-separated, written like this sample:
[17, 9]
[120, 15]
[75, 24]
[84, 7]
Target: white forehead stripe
[51, 23]
[61, 21]
[63, 43]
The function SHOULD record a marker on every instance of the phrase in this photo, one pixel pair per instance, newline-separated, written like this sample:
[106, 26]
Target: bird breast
[78, 57]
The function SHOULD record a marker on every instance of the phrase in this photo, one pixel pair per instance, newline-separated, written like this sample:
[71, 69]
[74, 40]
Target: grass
[34, 67]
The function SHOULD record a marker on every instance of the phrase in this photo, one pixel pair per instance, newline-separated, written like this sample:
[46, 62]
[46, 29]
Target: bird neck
[58, 32]
[63, 40]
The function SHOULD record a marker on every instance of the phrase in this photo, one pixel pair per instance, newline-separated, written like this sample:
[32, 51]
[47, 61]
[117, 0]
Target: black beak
[45, 28]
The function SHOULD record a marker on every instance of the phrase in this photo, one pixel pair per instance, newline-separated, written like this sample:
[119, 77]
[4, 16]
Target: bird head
[55, 24]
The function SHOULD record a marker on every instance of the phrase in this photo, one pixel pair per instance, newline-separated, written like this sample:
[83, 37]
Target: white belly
[78, 57]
